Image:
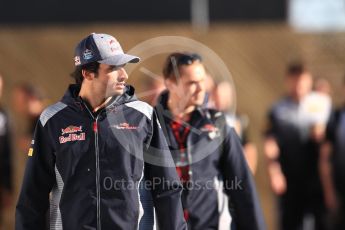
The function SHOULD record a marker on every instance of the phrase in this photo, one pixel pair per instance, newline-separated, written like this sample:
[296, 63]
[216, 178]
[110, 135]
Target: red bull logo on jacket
[74, 134]
[71, 129]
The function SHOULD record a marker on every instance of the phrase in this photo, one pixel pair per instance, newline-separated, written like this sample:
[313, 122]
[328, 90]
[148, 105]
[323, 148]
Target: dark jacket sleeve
[6, 155]
[165, 185]
[332, 126]
[39, 179]
[239, 184]
[270, 130]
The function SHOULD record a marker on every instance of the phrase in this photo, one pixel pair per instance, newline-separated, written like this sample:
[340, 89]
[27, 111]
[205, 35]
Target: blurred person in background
[28, 103]
[320, 99]
[152, 89]
[322, 85]
[204, 161]
[333, 167]
[222, 98]
[291, 148]
[5, 159]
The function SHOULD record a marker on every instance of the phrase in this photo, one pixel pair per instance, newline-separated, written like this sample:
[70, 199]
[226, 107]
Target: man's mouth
[120, 85]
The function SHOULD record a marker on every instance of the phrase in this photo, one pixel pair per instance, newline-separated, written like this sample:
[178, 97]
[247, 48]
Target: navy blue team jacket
[216, 163]
[89, 169]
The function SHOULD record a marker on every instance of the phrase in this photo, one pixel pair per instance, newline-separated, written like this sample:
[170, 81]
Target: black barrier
[76, 11]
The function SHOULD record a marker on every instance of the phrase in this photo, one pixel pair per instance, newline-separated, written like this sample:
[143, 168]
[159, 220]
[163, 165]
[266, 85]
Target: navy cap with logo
[101, 48]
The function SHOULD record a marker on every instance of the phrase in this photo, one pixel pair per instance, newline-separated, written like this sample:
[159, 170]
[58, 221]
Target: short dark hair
[176, 60]
[77, 73]
[296, 69]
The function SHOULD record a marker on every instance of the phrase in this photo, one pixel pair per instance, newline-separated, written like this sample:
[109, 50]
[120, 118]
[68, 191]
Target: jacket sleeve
[165, 185]
[39, 179]
[239, 184]
[270, 130]
[6, 155]
[332, 126]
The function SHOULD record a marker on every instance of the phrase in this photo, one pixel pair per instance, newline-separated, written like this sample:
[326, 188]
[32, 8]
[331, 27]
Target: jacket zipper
[95, 124]
[98, 192]
[189, 155]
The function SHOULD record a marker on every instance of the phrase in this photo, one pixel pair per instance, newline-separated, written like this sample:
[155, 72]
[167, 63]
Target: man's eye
[114, 68]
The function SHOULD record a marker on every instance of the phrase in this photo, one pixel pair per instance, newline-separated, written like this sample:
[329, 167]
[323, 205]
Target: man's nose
[200, 86]
[123, 76]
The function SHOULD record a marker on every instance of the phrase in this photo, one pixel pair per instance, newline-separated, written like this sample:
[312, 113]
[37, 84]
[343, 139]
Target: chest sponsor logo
[72, 133]
[124, 126]
[209, 128]
[212, 130]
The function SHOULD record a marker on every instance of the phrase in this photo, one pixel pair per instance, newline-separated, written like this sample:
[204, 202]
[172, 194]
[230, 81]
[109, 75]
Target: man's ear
[88, 75]
[169, 84]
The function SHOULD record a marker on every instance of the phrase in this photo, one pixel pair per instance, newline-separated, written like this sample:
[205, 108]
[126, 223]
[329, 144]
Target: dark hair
[296, 69]
[175, 60]
[77, 73]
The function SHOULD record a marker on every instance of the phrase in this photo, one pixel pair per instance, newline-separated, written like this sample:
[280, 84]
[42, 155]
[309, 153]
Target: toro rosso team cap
[101, 48]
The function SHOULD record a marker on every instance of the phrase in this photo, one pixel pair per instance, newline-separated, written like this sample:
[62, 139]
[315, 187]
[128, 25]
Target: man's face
[189, 86]
[110, 80]
[299, 86]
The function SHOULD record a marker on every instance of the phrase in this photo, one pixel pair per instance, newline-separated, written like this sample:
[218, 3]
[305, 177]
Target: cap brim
[120, 59]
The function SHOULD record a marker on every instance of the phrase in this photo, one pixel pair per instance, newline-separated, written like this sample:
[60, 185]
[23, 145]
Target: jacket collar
[72, 98]
[162, 107]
